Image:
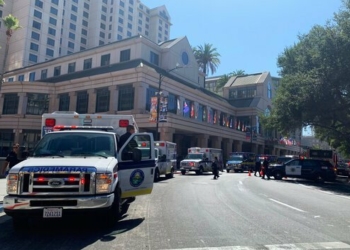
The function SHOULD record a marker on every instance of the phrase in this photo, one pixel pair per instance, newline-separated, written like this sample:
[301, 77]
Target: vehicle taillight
[123, 123]
[50, 122]
[162, 144]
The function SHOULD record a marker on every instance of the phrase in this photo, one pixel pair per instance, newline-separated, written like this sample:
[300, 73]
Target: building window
[103, 17]
[21, 78]
[120, 20]
[73, 17]
[83, 40]
[39, 3]
[154, 58]
[129, 26]
[103, 26]
[85, 14]
[50, 41]
[130, 17]
[86, 6]
[72, 26]
[82, 102]
[131, 10]
[57, 71]
[52, 31]
[49, 52]
[53, 21]
[53, 11]
[74, 8]
[64, 102]
[125, 55]
[85, 23]
[7, 138]
[54, 2]
[105, 59]
[102, 100]
[71, 45]
[37, 104]
[121, 3]
[36, 25]
[101, 43]
[104, 9]
[10, 79]
[33, 58]
[269, 90]
[34, 46]
[126, 98]
[121, 12]
[140, 22]
[10, 104]
[87, 63]
[172, 103]
[84, 32]
[43, 74]
[71, 67]
[120, 28]
[186, 108]
[38, 14]
[139, 29]
[71, 35]
[102, 34]
[128, 34]
[119, 37]
[32, 76]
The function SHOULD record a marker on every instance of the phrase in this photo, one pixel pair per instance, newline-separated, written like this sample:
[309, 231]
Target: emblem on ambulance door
[136, 178]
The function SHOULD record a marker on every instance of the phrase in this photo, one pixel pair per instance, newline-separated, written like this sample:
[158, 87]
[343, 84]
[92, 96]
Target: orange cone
[249, 173]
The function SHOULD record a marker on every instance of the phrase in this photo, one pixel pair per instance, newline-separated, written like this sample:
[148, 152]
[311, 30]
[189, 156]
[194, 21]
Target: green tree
[315, 85]
[224, 79]
[2, 2]
[12, 24]
[207, 58]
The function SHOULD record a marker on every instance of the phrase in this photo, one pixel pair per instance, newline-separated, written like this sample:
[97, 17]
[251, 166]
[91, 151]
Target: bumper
[189, 168]
[14, 205]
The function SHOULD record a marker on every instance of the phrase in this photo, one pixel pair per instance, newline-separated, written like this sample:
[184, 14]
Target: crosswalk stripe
[295, 246]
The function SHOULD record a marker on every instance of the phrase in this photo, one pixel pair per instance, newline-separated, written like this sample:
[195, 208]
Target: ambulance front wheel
[156, 175]
[171, 175]
[115, 211]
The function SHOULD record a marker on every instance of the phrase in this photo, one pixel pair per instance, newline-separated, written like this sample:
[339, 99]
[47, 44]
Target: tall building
[54, 28]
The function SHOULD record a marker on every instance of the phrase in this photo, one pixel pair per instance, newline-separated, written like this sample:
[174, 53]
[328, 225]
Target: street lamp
[161, 77]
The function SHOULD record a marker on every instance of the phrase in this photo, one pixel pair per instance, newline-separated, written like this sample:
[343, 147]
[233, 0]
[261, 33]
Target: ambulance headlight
[103, 183]
[12, 184]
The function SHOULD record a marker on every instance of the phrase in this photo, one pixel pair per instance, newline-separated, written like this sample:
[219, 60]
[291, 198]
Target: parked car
[314, 169]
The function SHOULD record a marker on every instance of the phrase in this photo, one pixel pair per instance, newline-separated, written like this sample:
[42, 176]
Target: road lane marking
[286, 205]
[295, 246]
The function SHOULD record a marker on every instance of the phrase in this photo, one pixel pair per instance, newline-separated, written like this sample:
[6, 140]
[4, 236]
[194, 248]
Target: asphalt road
[236, 211]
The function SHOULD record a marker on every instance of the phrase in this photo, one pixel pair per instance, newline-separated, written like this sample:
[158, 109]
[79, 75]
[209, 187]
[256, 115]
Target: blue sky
[249, 34]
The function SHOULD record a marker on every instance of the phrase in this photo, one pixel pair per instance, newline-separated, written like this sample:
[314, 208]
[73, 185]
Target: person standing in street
[257, 167]
[11, 159]
[266, 169]
[129, 131]
[215, 167]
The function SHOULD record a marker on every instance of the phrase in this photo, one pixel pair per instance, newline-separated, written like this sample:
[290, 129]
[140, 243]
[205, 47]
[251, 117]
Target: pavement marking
[240, 182]
[295, 246]
[286, 205]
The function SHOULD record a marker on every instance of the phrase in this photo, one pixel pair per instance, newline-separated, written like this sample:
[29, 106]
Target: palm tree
[12, 24]
[207, 58]
[224, 79]
[2, 2]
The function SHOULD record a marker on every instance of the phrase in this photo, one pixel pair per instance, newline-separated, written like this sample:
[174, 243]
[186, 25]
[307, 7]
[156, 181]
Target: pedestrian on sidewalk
[215, 168]
[11, 159]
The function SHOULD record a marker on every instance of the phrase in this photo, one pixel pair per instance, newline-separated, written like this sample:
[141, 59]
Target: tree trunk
[4, 61]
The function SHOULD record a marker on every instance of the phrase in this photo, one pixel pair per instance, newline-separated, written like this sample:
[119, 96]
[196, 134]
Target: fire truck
[200, 160]
[77, 168]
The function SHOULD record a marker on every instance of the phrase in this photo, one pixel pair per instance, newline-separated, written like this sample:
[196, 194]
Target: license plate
[52, 212]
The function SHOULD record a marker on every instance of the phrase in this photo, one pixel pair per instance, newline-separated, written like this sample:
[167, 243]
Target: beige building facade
[121, 78]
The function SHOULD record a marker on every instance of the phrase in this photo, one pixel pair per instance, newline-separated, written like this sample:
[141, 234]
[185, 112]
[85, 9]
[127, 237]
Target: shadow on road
[340, 186]
[72, 233]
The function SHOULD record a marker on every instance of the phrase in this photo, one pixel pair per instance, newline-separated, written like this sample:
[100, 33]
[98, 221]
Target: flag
[186, 108]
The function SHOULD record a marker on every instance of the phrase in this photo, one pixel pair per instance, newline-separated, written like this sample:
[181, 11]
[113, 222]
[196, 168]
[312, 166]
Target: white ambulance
[165, 159]
[77, 168]
[200, 160]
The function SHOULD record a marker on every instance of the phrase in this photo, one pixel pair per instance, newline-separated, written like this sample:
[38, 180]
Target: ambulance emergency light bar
[73, 127]
[51, 122]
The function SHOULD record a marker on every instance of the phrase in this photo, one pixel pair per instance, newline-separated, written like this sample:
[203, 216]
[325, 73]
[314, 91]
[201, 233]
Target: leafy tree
[2, 2]
[315, 84]
[12, 24]
[207, 58]
[224, 79]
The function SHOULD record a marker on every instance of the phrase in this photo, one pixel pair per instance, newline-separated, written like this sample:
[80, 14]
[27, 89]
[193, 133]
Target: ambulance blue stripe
[132, 164]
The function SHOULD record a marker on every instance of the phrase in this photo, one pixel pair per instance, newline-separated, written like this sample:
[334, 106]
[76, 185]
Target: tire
[183, 172]
[278, 175]
[227, 170]
[236, 171]
[115, 212]
[318, 178]
[200, 171]
[19, 223]
[156, 175]
[171, 175]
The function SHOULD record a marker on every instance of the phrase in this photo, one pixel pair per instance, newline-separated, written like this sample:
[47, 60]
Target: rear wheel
[227, 170]
[278, 175]
[200, 171]
[171, 175]
[183, 172]
[156, 175]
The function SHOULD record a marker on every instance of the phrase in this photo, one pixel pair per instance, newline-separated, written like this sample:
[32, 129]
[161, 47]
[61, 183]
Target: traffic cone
[249, 173]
